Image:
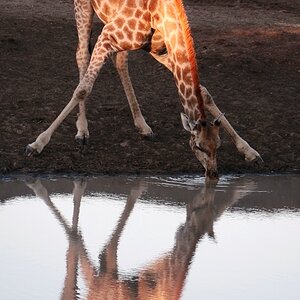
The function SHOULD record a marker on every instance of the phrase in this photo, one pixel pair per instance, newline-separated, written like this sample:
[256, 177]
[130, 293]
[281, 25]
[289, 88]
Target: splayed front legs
[103, 48]
[43, 139]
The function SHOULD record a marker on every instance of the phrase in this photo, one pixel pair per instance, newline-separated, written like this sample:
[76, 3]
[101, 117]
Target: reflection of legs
[75, 242]
[72, 257]
[39, 190]
[121, 63]
[102, 49]
[84, 17]
[108, 257]
[242, 146]
[79, 188]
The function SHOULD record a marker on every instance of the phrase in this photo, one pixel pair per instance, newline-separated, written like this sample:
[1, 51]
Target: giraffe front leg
[120, 61]
[82, 136]
[84, 18]
[103, 48]
[80, 94]
[251, 155]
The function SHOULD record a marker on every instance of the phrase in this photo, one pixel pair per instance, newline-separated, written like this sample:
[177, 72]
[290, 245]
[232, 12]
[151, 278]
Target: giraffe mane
[190, 48]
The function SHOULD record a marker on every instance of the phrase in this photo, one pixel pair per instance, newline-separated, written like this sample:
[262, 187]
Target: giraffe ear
[188, 125]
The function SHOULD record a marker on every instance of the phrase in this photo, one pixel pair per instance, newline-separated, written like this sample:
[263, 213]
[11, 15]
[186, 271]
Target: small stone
[294, 134]
[124, 144]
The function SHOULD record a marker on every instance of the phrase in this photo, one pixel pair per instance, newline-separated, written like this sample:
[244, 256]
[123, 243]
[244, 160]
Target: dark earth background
[248, 52]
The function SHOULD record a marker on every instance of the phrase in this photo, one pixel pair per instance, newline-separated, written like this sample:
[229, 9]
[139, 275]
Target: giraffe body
[161, 28]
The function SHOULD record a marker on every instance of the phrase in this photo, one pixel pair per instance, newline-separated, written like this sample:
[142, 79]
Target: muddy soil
[248, 53]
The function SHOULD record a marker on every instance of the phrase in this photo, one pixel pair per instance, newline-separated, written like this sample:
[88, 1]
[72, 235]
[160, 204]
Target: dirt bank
[249, 61]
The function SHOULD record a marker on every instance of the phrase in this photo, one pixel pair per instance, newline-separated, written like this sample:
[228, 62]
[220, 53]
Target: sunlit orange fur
[189, 45]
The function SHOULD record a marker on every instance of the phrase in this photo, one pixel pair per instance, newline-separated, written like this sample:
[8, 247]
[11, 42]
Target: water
[150, 238]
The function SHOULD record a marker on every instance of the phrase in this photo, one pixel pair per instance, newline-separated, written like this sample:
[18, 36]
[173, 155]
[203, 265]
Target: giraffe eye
[200, 148]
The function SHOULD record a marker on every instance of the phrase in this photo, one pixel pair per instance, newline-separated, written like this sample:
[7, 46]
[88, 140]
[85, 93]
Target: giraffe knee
[82, 92]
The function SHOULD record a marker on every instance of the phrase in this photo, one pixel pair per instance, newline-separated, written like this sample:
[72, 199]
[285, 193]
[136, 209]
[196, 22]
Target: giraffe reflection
[162, 279]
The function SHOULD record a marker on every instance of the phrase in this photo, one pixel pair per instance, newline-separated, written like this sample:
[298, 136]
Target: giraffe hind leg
[120, 61]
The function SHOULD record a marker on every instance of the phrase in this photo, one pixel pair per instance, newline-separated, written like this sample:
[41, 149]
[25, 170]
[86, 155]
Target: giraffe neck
[183, 60]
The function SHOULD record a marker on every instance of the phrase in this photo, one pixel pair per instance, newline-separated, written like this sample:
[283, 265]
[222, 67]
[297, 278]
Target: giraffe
[161, 28]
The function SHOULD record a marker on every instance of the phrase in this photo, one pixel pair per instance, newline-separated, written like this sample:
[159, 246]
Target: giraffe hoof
[258, 161]
[149, 137]
[82, 140]
[29, 151]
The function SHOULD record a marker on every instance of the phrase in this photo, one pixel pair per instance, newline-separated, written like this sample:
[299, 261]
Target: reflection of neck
[199, 220]
[202, 212]
[200, 216]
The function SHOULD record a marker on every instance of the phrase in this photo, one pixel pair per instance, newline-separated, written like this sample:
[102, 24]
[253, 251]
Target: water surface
[150, 238]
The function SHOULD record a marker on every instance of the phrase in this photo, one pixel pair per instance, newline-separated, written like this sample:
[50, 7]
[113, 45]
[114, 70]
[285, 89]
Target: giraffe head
[204, 142]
